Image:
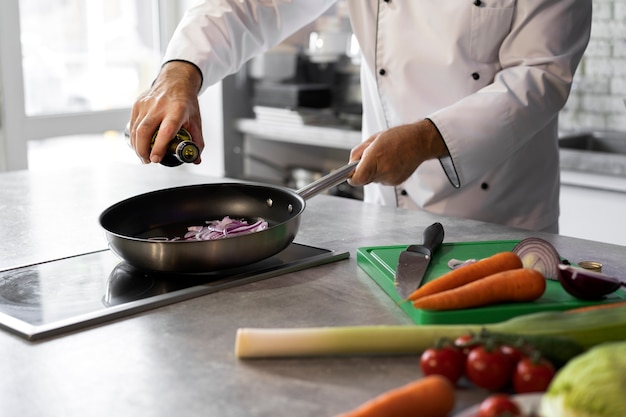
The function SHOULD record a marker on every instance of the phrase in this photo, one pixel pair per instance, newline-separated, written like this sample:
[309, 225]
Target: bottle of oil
[180, 150]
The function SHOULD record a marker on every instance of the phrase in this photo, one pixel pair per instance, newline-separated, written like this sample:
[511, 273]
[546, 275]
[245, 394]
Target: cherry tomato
[533, 375]
[488, 368]
[499, 405]
[447, 361]
[513, 353]
[464, 343]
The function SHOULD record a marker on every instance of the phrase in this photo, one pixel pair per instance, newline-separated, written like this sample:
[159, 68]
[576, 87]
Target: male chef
[460, 97]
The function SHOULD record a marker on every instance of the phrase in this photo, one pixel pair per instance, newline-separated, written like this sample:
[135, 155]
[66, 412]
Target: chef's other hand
[169, 104]
[391, 156]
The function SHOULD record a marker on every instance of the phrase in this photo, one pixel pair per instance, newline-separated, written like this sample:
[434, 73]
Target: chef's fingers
[167, 129]
[388, 157]
[363, 174]
[142, 125]
[357, 152]
[142, 136]
[366, 170]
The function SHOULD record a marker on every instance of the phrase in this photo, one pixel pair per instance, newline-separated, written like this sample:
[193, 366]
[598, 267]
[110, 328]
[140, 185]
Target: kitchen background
[68, 80]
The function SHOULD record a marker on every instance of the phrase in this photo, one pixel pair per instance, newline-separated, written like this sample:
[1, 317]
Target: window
[86, 55]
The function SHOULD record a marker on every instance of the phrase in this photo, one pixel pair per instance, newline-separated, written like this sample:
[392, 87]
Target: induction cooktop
[64, 295]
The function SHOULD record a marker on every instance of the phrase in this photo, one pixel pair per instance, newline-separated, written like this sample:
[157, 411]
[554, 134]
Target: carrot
[502, 261]
[597, 307]
[430, 396]
[521, 284]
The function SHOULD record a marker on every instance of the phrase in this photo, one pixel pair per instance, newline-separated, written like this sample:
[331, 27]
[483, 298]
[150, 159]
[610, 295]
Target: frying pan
[132, 225]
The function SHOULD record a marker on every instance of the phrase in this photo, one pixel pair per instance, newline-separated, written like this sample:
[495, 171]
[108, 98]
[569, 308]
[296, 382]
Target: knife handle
[433, 236]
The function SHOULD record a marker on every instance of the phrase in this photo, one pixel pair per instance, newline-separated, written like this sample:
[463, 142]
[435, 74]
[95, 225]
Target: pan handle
[327, 181]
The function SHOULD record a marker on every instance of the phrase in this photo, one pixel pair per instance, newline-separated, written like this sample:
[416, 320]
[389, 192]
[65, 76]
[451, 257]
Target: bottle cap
[187, 151]
[591, 265]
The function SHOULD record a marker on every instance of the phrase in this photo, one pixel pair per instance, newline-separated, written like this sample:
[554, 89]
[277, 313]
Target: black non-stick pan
[132, 225]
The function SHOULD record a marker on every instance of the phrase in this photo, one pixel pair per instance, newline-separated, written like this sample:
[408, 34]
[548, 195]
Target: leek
[349, 340]
[585, 328]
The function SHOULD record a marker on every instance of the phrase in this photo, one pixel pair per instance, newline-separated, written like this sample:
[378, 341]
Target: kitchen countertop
[179, 359]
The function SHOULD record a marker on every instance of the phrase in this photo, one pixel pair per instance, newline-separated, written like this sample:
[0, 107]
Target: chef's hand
[391, 156]
[171, 103]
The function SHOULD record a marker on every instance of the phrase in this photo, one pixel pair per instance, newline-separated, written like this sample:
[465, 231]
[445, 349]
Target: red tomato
[533, 375]
[464, 343]
[514, 354]
[499, 405]
[447, 361]
[488, 368]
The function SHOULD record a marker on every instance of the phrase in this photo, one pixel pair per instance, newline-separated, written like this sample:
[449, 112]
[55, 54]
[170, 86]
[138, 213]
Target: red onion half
[587, 285]
[539, 254]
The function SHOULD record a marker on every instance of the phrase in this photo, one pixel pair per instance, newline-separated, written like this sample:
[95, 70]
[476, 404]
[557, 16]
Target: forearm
[187, 74]
[525, 95]
[220, 37]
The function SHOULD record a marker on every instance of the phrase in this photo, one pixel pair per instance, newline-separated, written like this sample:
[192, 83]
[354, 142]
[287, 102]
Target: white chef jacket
[491, 74]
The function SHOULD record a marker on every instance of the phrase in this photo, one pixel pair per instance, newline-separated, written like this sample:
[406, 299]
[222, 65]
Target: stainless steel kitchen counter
[179, 360]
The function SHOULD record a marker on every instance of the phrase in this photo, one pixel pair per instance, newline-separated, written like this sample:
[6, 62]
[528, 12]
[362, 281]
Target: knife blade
[413, 262]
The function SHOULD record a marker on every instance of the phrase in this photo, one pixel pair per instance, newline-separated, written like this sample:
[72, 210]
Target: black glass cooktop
[63, 295]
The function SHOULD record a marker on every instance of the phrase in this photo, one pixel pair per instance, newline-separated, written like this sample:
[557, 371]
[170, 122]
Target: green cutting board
[379, 262]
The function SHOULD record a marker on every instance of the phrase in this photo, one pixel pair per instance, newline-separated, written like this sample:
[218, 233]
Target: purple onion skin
[586, 286]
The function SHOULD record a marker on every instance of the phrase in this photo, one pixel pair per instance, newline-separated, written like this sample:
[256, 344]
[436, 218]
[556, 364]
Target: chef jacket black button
[403, 192]
[475, 75]
[387, 1]
[484, 186]
[477, 2]
[382, 71]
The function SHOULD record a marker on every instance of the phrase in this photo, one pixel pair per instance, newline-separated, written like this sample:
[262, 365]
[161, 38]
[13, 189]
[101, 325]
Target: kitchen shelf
[337, 137]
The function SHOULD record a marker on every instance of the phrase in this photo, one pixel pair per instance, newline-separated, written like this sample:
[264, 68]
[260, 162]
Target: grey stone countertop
[179, 360]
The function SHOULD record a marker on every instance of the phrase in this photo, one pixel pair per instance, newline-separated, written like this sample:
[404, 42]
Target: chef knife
[413, 261]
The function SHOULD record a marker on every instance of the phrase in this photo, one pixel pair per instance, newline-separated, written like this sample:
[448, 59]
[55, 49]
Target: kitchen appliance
[305, 96]
[64, 295]
[379, 262]
[413, 262]
[277, 64]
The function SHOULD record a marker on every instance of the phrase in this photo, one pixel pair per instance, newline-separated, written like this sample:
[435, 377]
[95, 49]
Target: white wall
[600, 82]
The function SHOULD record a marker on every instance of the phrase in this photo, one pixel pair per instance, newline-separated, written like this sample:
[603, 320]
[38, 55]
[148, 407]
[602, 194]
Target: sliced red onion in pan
[218, 229]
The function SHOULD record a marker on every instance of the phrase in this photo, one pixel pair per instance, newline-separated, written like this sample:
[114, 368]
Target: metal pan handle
[327, 181]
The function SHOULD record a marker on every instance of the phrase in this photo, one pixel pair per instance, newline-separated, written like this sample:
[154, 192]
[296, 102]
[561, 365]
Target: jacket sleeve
[536, 64]
[219, 36]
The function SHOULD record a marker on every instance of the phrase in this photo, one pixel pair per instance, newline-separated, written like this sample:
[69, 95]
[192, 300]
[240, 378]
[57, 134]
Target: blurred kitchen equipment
[347, 85]
[292, 95]
[327, 46]
[277, 64]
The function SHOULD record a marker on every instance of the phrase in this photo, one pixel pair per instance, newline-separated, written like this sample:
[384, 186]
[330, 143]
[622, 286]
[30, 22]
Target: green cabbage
[592, 384]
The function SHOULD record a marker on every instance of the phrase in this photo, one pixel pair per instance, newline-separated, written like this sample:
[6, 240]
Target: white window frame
[17, 128]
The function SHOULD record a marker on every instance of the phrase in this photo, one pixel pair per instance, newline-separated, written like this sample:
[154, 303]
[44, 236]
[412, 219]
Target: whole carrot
[499, 262]
[430, 396]
[522, 284]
